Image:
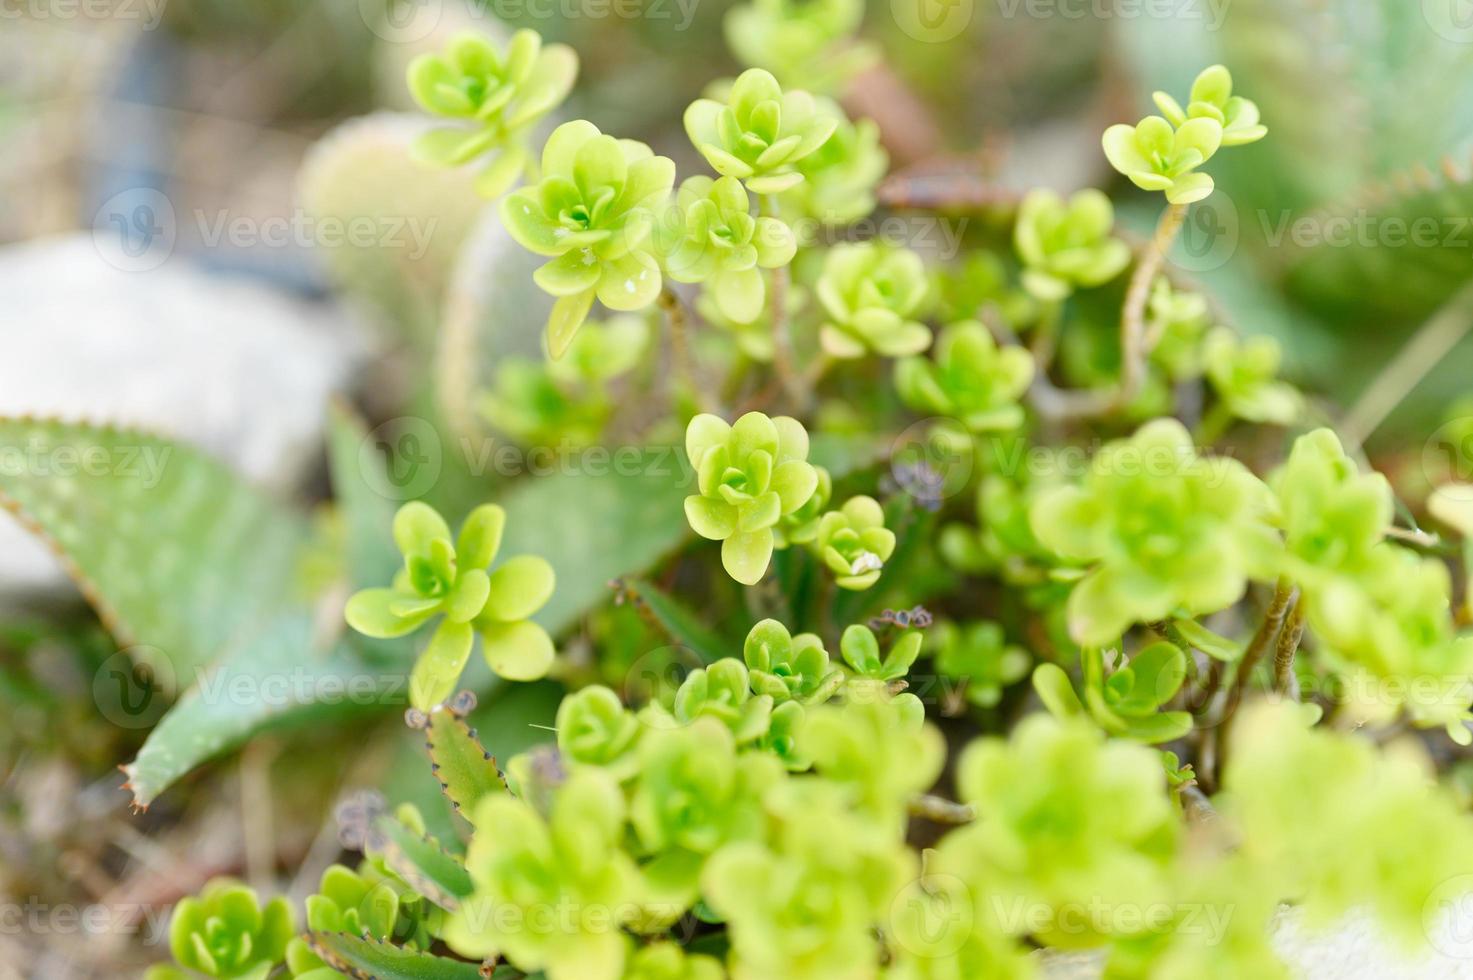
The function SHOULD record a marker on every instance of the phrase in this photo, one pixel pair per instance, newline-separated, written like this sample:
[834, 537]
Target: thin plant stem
[1214, 424]
[1057, 403]
[684, 366]
[938, 809]
[1285, 680]
[1428, 347]
[1273, 619]
[1045, 340]
[782, 338]
[1133, 348]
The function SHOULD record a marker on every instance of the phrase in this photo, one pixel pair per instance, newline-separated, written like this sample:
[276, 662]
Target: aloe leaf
[1397, 250]
[597, 526]
[179, 556]
[424, 864]
[465, 770]
[372, 959]
[679, 621]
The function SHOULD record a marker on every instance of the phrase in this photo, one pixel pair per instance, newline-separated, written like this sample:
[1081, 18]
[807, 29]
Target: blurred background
[211, 228]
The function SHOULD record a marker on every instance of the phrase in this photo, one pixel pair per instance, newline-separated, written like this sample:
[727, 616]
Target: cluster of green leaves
[1163, 153]
[448, 577]
[755, 818]
[498, 97]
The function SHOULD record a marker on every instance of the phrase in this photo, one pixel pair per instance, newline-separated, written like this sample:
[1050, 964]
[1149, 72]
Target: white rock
[227, 364]
[1353, 948]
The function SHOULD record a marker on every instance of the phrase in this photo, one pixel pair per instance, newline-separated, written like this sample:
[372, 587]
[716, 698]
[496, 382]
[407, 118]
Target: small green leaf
[568, 314]
[1156, 675]
[1215, 646]
[682, 624]
[1055, 691]
[438, 669]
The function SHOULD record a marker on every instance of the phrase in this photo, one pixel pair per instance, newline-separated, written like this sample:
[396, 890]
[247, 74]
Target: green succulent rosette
[1157, 157]
[1067, 245]
[714, 239]
[970, 379]
[1212, 98]
[854, 542]
[872, 294]
[592, 213]
[226, 932]
[805, 43]
[979, 657]
[750, 475]
[539, 402]
[1244, 374]
[595, 729]
[840, 177]
[788, 667]
[1065, 817]
[449, 578]
[550, 892]
[1163, 531]
[499, 96]
[760, 133]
